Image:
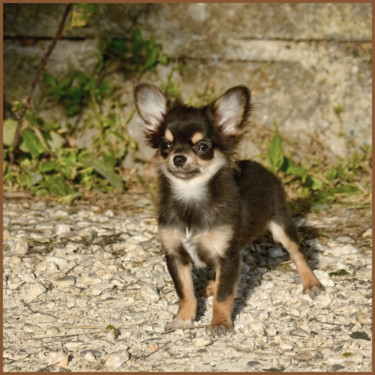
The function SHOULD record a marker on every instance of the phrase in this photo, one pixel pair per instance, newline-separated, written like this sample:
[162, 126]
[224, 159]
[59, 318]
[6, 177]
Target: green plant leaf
[55, 141]
[49, 80]
[346, 189]
[331, 174]
[31, 143]
[9, 131]
[103, 169]
[360, 336]
[316, 183]
[290, 168]
[56, 185]
[340, 272]
[70, 198]
[49, 166]
[275, 152]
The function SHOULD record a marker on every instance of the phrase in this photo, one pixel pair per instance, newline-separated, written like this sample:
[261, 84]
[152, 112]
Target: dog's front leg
[180, 272]
[227, 275]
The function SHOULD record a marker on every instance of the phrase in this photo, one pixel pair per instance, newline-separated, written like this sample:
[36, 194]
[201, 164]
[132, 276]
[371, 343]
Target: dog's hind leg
[284, 231]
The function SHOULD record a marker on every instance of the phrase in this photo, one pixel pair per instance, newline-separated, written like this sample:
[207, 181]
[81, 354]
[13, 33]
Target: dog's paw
[313, 290]
[217, 330]
[178, 324]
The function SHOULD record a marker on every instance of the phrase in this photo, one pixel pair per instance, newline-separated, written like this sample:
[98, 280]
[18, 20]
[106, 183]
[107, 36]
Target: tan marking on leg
[197, 137]
[222, 313]
[222, 310]
[188, 304]
[168, 135]
[210, 289]
[309, 280]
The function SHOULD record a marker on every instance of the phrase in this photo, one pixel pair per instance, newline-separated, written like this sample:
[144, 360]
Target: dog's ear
[151, 105]
[231, 110]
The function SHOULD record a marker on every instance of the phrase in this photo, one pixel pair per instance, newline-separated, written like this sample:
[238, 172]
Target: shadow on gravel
[257, 262]
[256, 257]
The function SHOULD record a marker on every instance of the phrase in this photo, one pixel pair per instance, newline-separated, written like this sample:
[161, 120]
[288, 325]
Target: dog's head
[192, 141]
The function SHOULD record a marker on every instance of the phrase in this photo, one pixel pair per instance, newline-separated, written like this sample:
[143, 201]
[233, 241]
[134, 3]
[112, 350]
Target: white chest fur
[191, 245]
[212, 244]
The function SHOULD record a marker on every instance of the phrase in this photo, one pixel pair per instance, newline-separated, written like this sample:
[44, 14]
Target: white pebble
[324, 278]
[149, 293]
[62, 229]
[20, 247]
[117, 359]
[33, 291]
[7, 235]
[58, 261]
[52, 331]
[364, 273]
[343, 250]
[58, 359]
[324, 299]
[31, 328]
[65, 281]
[90, 356]
[367, 233]
[201, 342]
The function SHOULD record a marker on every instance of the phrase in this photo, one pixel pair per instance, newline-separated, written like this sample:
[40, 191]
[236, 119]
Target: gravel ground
[86, 289]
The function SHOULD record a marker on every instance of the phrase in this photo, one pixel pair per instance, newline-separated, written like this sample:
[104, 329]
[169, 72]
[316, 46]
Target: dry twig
[42, 66]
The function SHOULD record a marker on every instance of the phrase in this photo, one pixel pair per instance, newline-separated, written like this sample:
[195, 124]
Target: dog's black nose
[179, 160]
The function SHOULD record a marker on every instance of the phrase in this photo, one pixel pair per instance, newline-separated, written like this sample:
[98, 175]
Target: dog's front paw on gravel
[178, 324]
[313, 290]
[219, 329]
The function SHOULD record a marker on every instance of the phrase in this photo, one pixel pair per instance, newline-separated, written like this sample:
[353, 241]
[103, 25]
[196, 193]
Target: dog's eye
[202, 147]
[166, 146]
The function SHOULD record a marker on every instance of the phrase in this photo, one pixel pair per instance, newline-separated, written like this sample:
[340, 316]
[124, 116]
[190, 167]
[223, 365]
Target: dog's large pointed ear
[151, 105]
[231, 110]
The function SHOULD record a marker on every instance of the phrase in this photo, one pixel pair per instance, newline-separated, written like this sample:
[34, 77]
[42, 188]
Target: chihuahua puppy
[211, 206]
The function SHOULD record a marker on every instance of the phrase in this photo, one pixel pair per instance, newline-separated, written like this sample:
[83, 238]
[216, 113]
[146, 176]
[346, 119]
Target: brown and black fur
[210, 206]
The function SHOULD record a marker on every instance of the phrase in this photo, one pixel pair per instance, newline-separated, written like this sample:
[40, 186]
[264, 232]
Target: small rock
[324, 278]
[149, 293]
[324, 299]
[275, 252]
[15, 260]
[362, 317]
[173, 308]
[73, 345]
[20, 247]
[117, 359]
[62, 229]
[58, 261]
[201, 342]
[343, 250]
[65, 281]
[31, 328]
[111, 336]
[305, 356]
[367, 233]
[34, 290]
[90, 356]
[7, 235]
[58, 359]
[364, 273]
[256, 328]
[52, 331]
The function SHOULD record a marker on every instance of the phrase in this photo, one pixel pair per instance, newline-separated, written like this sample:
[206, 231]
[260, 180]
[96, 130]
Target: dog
[210, 205]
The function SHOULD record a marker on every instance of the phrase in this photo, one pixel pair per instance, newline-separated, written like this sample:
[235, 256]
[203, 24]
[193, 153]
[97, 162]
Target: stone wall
[300, 60]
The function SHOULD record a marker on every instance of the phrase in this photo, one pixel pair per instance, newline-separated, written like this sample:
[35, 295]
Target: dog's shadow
[256, 257]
